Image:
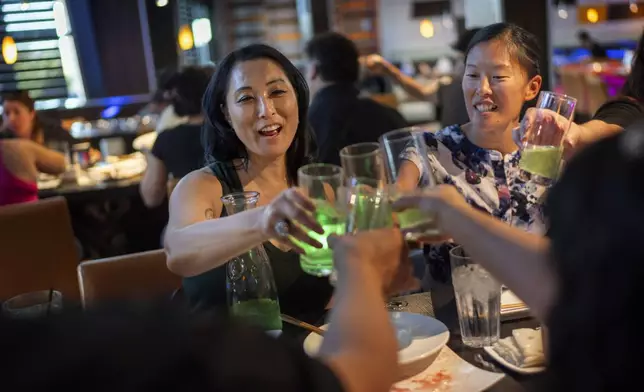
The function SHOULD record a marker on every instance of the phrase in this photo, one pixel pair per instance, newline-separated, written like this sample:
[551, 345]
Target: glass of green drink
[544, 136]
[365, 185]
[322, 183]
[406, 157]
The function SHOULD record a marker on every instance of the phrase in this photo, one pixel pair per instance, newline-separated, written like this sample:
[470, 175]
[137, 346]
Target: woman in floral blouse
[480, 158]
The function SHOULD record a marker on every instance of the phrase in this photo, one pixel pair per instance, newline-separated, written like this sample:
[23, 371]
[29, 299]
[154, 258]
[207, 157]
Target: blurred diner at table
[256, 138]
[338, 115]
[21, 162]
[177, 151]
[20, 120]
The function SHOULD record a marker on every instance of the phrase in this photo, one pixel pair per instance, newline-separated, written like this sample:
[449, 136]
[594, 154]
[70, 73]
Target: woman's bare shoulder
[200, 184]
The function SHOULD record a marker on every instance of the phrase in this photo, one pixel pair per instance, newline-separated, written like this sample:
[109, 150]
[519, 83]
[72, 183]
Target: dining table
[445, 311]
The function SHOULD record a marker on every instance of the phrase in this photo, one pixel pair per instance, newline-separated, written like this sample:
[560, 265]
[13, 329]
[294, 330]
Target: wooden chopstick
[302, 324]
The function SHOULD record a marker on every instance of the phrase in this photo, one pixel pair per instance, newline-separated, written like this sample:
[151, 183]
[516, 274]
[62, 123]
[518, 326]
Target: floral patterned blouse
[489, 181]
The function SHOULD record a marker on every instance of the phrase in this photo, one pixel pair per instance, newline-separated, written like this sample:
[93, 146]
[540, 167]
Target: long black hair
[219, 139]
[596, 229]
[634, 86]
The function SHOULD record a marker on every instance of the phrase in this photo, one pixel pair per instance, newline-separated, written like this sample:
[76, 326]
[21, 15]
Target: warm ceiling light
[634, 8]
[186, 40]
[9, 50]
[427, 28]
[162, 3]
[592, 15]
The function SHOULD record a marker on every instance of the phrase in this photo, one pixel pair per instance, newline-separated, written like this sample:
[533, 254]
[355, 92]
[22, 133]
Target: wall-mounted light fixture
[185, 38]
[9, 50]
[427, 28]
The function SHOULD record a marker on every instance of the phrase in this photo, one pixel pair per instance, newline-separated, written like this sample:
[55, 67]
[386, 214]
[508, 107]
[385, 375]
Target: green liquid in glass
[541, 160]
[263, 313]
[417, 222]
[319, 262]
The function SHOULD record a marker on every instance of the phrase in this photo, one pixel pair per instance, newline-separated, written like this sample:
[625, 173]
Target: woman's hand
[375, 63]
[433, 200]
[287, 216]
[553, 128]
[381, 254]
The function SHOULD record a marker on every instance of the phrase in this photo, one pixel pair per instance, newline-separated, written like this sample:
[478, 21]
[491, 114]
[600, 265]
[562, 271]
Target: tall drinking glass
[366, 187]
[368, 206]
[543, 147]
[405, 155]
[322, 183]
[478, 300]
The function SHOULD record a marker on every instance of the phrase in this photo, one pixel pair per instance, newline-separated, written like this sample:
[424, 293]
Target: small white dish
[427, 337]
[508, 365]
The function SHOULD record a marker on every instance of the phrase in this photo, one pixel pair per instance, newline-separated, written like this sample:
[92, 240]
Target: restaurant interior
[103, 83]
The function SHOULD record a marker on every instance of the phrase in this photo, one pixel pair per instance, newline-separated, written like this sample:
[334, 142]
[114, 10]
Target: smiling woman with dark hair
[255, 138]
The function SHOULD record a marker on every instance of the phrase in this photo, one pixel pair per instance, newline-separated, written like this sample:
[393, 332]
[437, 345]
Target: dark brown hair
[24, 98]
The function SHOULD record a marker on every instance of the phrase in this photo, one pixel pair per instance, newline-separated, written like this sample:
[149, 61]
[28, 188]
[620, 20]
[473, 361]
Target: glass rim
[406, 134]
[460, 248]
[557, 95]
[230, 197]
[337, 170]
[376, 151]
[55, 295]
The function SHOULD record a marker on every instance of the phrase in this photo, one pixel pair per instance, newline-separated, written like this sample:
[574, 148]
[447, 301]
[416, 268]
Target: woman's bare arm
[47, 161]
[196, 239]
[518, 259]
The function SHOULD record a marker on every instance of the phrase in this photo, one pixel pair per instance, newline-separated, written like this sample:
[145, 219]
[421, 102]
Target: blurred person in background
[338, 115]
[177, 151]
[597, 52]
[583, 280]
[445, 91]
[21, 160]
[146, 348]
[20, 120]
[256, 137]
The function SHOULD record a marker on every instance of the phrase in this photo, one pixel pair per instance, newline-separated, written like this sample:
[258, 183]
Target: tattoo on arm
[210, 214]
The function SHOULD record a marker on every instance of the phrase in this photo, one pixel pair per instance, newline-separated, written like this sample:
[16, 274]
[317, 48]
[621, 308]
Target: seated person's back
[180, 149]
[338, 115]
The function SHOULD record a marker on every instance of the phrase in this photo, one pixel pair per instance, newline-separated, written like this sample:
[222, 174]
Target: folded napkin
[523, 349]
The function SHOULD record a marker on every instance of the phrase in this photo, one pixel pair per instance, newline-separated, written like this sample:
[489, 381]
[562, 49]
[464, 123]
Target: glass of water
[407, 166]
[322, 183]
[478, 300]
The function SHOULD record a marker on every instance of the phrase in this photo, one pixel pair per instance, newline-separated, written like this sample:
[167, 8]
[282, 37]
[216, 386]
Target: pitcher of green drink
[542, 149]
[322, 183]
[250, 286]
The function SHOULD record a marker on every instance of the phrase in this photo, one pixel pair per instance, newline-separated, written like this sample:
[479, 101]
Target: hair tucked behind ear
[220, 141]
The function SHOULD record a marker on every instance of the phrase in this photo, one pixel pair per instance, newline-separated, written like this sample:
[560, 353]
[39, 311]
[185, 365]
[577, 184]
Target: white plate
[499, 359]
[428, 337]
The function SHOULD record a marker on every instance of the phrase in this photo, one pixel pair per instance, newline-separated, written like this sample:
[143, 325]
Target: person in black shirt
[177, 151]
[338, 115]
[596, 50]
[157, 348]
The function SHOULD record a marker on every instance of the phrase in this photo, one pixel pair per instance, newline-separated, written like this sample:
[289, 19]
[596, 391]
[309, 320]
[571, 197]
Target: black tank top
[300, 295]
